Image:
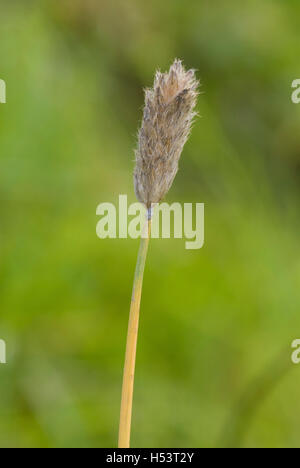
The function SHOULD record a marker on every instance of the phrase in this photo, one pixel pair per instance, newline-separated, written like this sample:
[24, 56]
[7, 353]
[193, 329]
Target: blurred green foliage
[213, 363]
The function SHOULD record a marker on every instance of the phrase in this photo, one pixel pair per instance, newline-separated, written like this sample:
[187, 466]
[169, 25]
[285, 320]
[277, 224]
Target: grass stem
[132, 334]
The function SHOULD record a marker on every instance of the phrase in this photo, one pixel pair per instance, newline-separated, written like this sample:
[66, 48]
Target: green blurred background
[214, 354]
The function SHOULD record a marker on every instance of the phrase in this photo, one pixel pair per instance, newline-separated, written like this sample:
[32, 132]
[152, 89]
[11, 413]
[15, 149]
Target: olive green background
[214, 353]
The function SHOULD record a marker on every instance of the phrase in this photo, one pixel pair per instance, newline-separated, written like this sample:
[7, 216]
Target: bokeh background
[214, 354]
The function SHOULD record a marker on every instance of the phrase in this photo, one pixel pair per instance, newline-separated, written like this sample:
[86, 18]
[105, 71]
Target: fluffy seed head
[167, 120]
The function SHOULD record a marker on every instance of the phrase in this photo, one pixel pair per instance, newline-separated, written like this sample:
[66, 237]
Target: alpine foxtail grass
[167, 119]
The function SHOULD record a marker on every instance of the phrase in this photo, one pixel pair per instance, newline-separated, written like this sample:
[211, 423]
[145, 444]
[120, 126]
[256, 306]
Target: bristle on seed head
[167, 119]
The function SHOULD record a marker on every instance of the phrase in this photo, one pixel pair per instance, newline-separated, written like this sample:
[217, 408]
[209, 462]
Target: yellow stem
[132, 334]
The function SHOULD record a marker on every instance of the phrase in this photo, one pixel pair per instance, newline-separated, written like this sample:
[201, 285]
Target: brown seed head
[167, 120]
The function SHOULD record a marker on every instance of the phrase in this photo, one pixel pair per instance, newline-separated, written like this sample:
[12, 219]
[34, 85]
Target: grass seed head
[167, 119]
